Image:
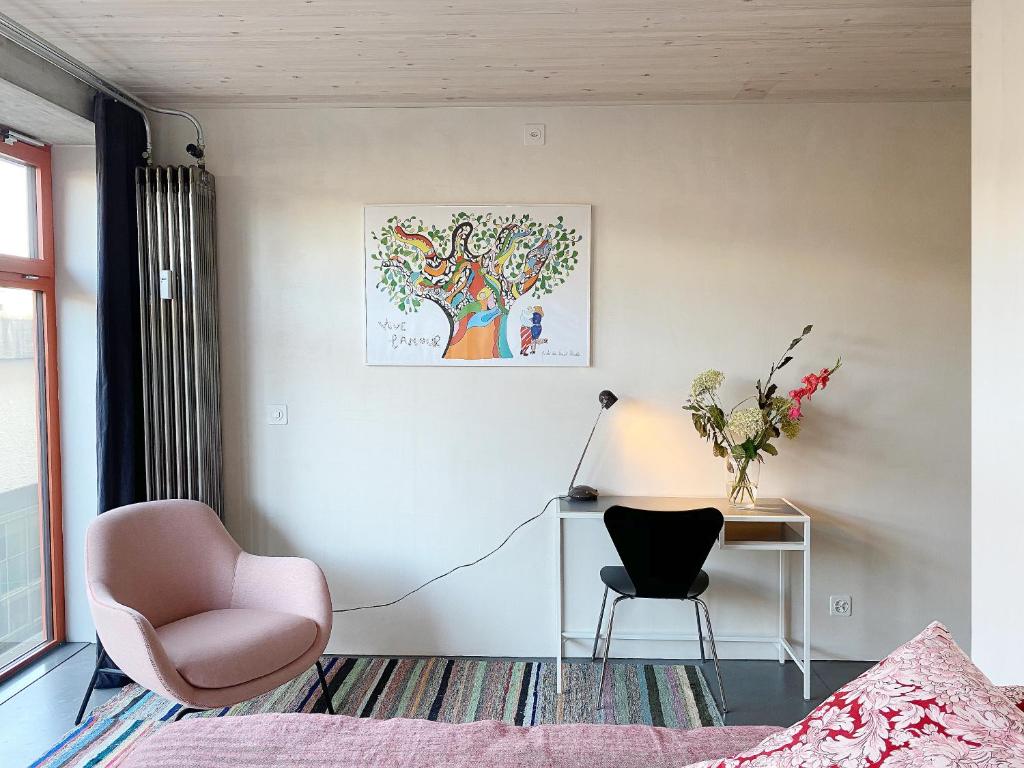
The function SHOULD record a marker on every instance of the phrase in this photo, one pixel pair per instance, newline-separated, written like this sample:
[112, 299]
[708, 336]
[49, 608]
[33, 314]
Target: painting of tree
[472, 267]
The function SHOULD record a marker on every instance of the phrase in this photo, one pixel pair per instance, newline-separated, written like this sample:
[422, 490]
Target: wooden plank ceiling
[444, 52]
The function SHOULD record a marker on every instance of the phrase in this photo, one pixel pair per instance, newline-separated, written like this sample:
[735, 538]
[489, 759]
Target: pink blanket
[300, 741]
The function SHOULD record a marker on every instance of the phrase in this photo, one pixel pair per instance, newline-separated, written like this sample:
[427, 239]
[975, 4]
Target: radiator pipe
[20, 35]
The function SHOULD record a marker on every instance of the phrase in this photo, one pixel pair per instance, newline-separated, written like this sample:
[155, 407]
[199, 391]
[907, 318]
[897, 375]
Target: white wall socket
[533, 134]
[840, 605]
[277, 415]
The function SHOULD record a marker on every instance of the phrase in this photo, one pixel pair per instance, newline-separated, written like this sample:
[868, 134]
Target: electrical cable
[456, 568]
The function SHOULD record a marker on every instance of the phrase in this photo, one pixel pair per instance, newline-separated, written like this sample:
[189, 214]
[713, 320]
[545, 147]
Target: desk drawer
[744, 535]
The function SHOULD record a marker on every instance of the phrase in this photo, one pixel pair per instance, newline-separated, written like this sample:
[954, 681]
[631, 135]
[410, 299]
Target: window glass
[24, 591]
[17, 210]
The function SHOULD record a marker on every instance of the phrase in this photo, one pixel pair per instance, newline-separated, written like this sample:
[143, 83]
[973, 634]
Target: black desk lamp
[584, 492]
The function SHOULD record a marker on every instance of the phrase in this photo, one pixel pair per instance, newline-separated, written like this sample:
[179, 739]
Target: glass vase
[741, 481]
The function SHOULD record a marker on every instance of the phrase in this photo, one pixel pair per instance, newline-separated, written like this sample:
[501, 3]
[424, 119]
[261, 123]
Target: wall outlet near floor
[840, 605]
[277, 415]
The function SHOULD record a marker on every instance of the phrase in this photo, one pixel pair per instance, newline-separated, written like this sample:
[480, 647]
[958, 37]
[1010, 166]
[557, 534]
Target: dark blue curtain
[120, 450]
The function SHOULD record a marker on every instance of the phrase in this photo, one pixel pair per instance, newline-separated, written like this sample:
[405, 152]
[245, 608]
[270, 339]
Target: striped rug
[451, 690]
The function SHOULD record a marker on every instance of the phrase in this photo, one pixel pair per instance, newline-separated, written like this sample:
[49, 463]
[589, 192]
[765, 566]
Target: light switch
[277, 415]
[533, 134]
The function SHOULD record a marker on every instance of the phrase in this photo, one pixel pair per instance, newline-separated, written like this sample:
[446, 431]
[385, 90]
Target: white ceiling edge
[199, 106]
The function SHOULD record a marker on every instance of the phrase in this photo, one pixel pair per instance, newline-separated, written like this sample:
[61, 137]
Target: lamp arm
[585, 447]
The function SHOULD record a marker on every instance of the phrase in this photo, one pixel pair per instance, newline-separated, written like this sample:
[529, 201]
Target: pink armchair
[186, 613]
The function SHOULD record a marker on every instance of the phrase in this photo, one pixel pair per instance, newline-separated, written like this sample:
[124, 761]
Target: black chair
[663, 555]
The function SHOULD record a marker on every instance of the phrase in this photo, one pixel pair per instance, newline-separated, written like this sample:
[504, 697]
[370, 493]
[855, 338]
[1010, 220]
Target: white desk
[777, 525]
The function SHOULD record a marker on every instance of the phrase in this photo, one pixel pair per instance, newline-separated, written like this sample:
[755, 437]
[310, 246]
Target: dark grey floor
[38, 705]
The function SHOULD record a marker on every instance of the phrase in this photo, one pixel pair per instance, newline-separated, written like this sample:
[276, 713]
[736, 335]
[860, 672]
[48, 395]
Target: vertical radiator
[180, 348]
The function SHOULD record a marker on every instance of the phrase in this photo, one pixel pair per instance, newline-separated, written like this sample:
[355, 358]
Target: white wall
[74, 224]
[718, 233]
[997, 621]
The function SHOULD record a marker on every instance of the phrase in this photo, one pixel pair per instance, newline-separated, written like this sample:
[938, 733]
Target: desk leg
[558, 604]
[782, 605]
[807, 611]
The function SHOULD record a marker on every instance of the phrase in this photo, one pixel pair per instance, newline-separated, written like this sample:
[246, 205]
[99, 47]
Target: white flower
[744, 424]
[705, 383]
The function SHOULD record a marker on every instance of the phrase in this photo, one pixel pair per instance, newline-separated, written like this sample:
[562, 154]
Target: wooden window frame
[38, 275]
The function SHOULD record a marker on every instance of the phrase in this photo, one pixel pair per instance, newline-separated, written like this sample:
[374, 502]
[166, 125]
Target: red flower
[812, 383]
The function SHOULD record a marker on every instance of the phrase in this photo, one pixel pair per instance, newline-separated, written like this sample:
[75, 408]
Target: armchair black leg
[185, 711]
[91, 687]
[324, 688]
[101, 658]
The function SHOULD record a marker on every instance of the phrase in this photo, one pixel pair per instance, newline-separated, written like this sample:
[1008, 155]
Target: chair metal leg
[714, 653]
[323, 687]
[92, 685]
[600, 621]
[607, 647]
[700, 633]
[185, 711]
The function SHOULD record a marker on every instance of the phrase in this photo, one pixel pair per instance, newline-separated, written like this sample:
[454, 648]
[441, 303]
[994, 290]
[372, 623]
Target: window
[31, 560]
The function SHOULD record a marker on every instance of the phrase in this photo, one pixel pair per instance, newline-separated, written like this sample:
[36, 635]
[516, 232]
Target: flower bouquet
[742, 435]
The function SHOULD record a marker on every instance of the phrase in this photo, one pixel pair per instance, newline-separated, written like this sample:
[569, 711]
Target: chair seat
[617, 580]
[232, 646]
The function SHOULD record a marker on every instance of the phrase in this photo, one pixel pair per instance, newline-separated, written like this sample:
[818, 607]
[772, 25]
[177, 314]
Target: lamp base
[583, 493]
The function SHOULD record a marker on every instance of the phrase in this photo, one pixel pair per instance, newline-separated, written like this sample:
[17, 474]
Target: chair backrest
[166, 559]
[663, 552]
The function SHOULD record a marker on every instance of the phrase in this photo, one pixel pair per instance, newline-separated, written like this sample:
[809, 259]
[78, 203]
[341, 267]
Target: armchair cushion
[232, 646]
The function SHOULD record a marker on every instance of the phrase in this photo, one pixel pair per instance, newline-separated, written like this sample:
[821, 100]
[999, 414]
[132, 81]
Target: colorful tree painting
[473, 271]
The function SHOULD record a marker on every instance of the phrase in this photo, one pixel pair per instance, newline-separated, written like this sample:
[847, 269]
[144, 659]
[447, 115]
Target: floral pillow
[1014, 693]
[925, 706]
